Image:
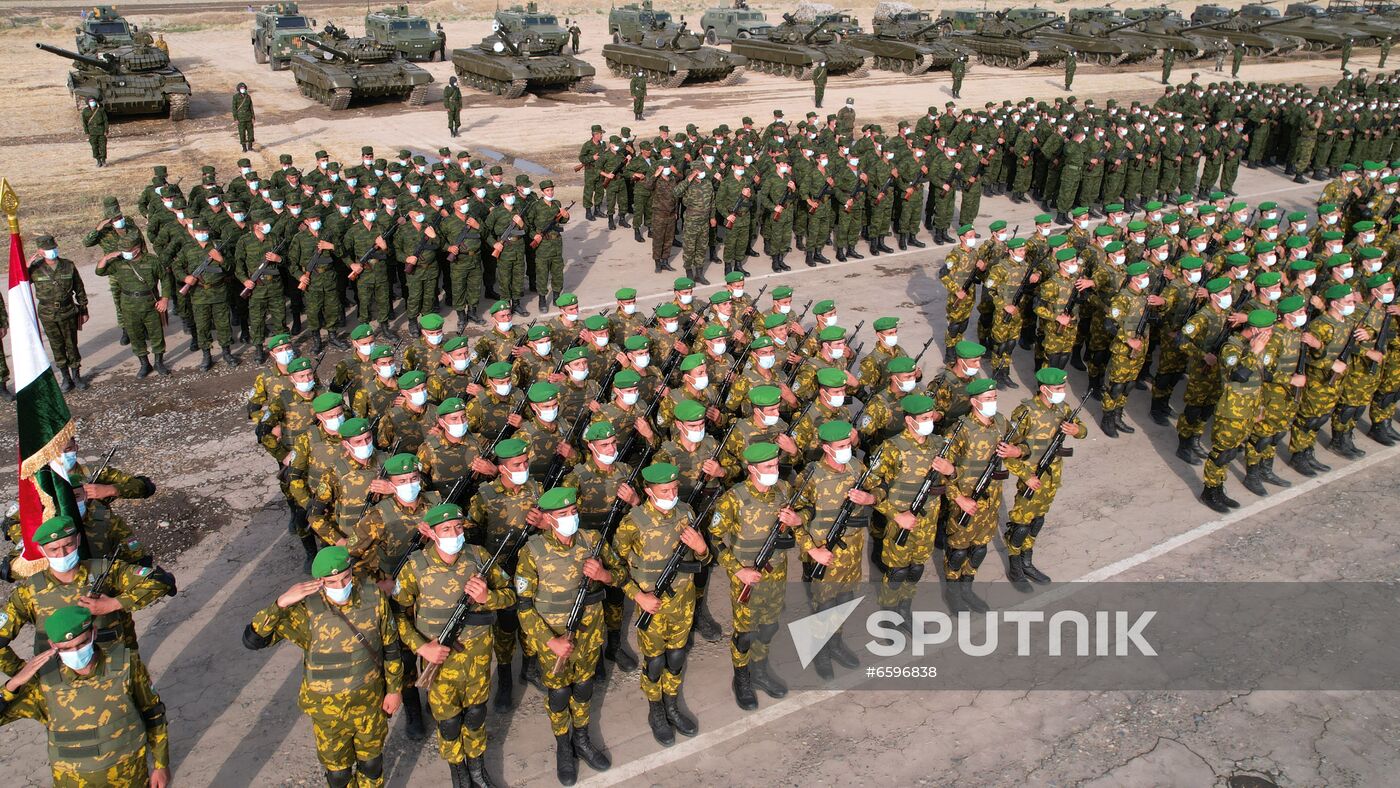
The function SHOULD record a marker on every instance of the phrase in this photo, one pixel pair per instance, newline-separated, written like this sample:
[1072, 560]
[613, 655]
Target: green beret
[831, 377]
[55, 528]
[969, 349]
[774, 319]
[1262, 318]
[668, 309]
[1363, 226]
[328, 401]
[761, 342]
[660, 473]
[599, 430]
[330, 561]
[1103, 231]
[1136, 226]
[1297, 216]
[1234, 235]
[278, 340]
[1378, 279]
[1348, 167]
[625, 294]
[1302, 264]
[299, 364]
[454, 344]
[430, 322]
[566, 299]
[833, 431]
[400, 463]
[980, 386]
[713, 331]
[1333, 235]
[689, 410]
[412, 379]
[1158, 242]
[362, 331]
[765, 396]
[822, 307]
[442, 513]
[1137, 269]
[900, 365]
[1113, 246]
[732, 277]
[1217, 284]
[1155, 205]
[499, 370]
[831, 334]
[1296, 241]
[760, 452]
[451, 405]
[558, 498]
[1190, 262]
[635, 343]
[1371, 253]
[692, 361]
[1065, 254]
[683, 283]
[595, 323]
[1236, 207]
[69, 622]
[1264, 247]
[999, 224]
[1016, 243]
[1268, 279]
[964, 229]
[1043, 218]
[1372, 166]
[915, 404]
[782, 291]
[510, 447]
[1291, 304]
[537, 332]
[1337, 291]
[886, 323]
[1050, 376]
[1217, 195]
[380, 352]
[1237, 259]
[1341, 258]
[499, 306]
[627, 379]
[721, 297]
[1194, 233]
[351, 428]
[542, 392]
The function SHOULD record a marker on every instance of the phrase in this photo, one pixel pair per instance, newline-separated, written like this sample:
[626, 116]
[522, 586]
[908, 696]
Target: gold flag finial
[9, 203]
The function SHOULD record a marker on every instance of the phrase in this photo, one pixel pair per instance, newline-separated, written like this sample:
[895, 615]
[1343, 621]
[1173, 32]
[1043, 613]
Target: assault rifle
[836, 534]
[549, 228]
[932, 484]
[1053, 451]
[281, 251]
[993, 472]
[764, 560]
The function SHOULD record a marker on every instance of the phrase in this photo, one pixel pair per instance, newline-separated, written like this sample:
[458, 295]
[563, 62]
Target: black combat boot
[145, 368]
[840, 254]
[682, 722]
[227, 356]
[975, 602]
[1027, 556]
[637, 235]
[704, 624]
[1185, 450]
[773, 260]
[1161, 411]
[1266, 472]
[1096, 387]
[205, 363]
[821, 663]
[413, 711]
[1342, 441]
[1302, 462]
[530, 672]
[316, 344]
[1061, 218]
[660, 727]
[588, 213]
[874, 248]
[881, 245]
[124, 340]
[1378, 434]
[1254, 480]
[766, 680]
[308, 549]
[915, 242]
[622, 221]
[584, 747]
[161, 369]
[1214, 498]
[782, 262]
[666, 265]
[612, 222]
[542, 303]
[616, 652]
[78, 382]
[518, 307]
[1123, 426]
[194, 343]
[902, 242]
[260, 355]
[819, 257]
[852, 254]
[811, 263]
[1315, 463]
[743, 689]
[476, 770]
[505, 689]
[1016, 574]
[1230, 502]
[841, 652]
[387, 331]
[565, 761]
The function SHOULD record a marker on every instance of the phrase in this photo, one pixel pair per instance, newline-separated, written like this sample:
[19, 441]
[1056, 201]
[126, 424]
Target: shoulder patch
[4, 619]
[397, 588]
[715, 520]
[1267, 358]
[1230, 361]
[144, 571]
[521, 584]
[1115, 311]
[1189, 328]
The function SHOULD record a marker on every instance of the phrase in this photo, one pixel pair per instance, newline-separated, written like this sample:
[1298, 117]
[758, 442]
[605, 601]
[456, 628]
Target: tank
[1317, 34]
[1257, 40]
[527, 21]
[103, 29]
[357, 68]
[1170, 26]
[793, 49]
[1363, 24]
[129, 80]
[407, 32]
[671, 55]
[907, 40]
[508, 65]
[1187, 48]
[998, 41]
[1092, 41]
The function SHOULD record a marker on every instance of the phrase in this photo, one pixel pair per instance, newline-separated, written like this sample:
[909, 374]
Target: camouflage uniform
[974, 445]
[1038, 422]
[62, 304]
[492, 514]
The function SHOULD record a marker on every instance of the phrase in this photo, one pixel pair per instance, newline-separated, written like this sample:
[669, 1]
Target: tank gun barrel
[1204, 25]
[324, 47]
[1123, 26]
[811, 34]
[1038, 25]
[87, 60]
[1272, 22]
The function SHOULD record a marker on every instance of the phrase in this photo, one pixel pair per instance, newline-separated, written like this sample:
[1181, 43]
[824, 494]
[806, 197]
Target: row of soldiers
[465, 495]
[1277, 321]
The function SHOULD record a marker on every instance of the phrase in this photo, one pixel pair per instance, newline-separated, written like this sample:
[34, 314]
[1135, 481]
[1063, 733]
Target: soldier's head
[357, 440]
[982, 395]
[329, 409]
[544, 401]
[541, 340]
[918, 414]
[825, 312]
[694, 372]
[1052, 385]
[302, 376]
[414, 385]
[967, 236]
[402, 471]
[832, 342]
[690, 420]
[1016, 249]
[70, 631]
[331, 567]
[501, 316]
[1259, 325]
[887, 329]
[761, 463]
[837, 439]
[595, 332]
[904, 375]
[381, 357]
[457, 354]
[968, 358]
[1139, 276]
[721, 305]
[626, 300]
[775, 325]
[57, 537]
[601, 439]
[559, 511]
[443, 525]
[832, 386]
[716, 340]
[683, 289]
[452, 81]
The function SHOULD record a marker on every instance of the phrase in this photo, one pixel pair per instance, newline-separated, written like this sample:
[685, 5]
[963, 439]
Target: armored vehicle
[670, 55]
[907, 40]
[278, 32]
[522, 22]
[103, 28]
[409, 33]
[1319, 35]
[1092, 41]
[1187, 48]
[508, 65]
[357, 68]
[728, 24]
[1170, 25]
[794, 48]
[998, 41]
[1257, 40]
[129, 80]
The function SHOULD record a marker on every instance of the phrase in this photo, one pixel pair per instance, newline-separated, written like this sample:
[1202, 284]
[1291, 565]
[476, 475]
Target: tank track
[734, 76]
[418, 96]
[516, 89]
[677, 79]
[581, 86]
[179, 107]
[339, 99]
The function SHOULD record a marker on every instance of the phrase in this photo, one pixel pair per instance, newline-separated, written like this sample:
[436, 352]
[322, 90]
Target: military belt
[138, 293]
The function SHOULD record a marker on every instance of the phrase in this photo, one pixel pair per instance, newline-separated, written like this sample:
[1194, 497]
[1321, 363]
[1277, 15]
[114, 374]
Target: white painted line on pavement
[803, 700]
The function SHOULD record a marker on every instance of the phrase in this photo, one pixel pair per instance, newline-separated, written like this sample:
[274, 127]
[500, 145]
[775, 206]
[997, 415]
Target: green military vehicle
[1320, 36]
[907, 40]
[794, 48]
[998, 41]
[527, 21]
[278, 33]
[103, 28]
[670, 55]
[730, 24]
[339, 69]
[1093, 41]
[136, 79]
[407, 32]
[508, 65]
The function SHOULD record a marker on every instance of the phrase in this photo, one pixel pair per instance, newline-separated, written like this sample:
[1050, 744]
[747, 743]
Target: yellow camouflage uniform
[384, 532]
[349, 664]
[341, 496]
[874, 367]
[487, 413]
[100, 725]
[1242, 374]
[444, 460]
[494, 346]
[958, 268]
[1362, 378]
[1004, 282]
[974, 446]
[313, 453]
[1387, 393]
[645, 540]
[402, 428]
[493, 512]
[1054, 296]
[375, 399]
[1122, 321]
[1278, 399]
[1200, 332]
[820, 501]
[597, 490]
[104, 530]
[1109, 280]
[426, 592]
[745, 434]
[1320, 394]
[1038, 424]
[904, 461]
[547, 580]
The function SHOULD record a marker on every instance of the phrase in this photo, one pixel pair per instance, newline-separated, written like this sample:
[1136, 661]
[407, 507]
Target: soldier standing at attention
[638, 89]
[452, 102]
[1041, 417]
[428, 589]
[662, 184]
[94, 119]
[819, 81]
[1385, 51]
[1069, 69]
[1168, 60]
[959, 70]
[99, 707]
[110, 234]
[698, 197]
[243, 115]
[590, 158]
[1347, 44]
[63, 308]
[1244, 363]
[352, 674]
[846, 118]
[574, 33]
[146, 286]
[1237, 57]
[554, 565]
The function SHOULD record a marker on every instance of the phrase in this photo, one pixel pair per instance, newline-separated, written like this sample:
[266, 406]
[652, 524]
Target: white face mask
[77, 660]
[665, 504]
[1193, 276]
[519, 477]
[629, 309]
[694, 436]
[641, 362]
[385, 372]
[578, 375]
[283, 357]
[504, 326]
[548, 415]
[566, 525]
[460, 364]
[1056, 397]
[831, 320]
[1387, 297]
[841, 456]
[737, 292]
[340, 595]
[65, 562]
[1348, 309]
[837, 400]
[433, 339]
[1299, 319]
[687, 298]
[502, 389]
[769, 421]
[768, 479]
[606, 459]
[890, 340]
[629, 397]
[1071, 270]
[408, 493]
[1309, 279]
[456, 430]
[601, 340]
[671, 326]
[452, 545]
[305, 385]
[543, 348]
[364, 452]
[701, 383]
[987, 409]
[907, 386]
[767, 362]
[785, 308]
[1044, 232]
[332, 424]
[1225, 301]
[1346, 273]
[923, 428]
[417, 398]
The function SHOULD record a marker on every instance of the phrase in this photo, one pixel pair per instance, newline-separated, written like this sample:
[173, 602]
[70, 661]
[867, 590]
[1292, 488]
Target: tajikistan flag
[45, 426]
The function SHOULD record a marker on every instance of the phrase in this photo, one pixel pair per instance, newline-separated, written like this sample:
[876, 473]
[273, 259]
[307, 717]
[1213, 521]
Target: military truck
[521, 22]
[407, 32]
[339, 69]
[103, 28]
[964, 19]
[729, 24]
[278, 32]
[129, 80]
[624, 21]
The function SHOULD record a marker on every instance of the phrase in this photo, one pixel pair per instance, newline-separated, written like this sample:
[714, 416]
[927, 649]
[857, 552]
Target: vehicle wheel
[259, 55]
[743, 34]
[710, 37]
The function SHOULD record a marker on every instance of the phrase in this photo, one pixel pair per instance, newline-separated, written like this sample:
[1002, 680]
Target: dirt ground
[1128, 510]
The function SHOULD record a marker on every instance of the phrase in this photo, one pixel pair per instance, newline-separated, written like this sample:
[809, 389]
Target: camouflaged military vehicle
[522, 22]
[278, 31]
[667, 54]
[907, 40]
[1258, 40]
[407, 32]
[794, 48]
[1319, 35]
[129, 80]
[356, 68]
[102, 28]
[727, 24]
[998, 41]
[1092, 41]
[508, 65]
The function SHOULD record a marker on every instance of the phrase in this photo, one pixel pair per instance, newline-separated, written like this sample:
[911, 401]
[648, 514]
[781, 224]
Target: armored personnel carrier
[998, 41]
[103, 28]
[670, 55]
[522, 22]
[278, 31]
[794, 48]
[726, 24]
[508, 65]
[407, 32]
[907, 40]
[129, 80]
[357, 68]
